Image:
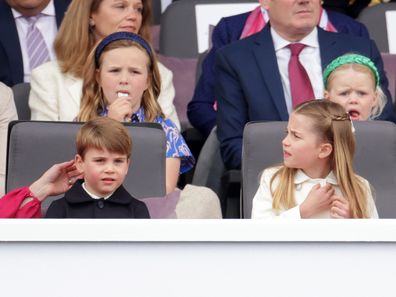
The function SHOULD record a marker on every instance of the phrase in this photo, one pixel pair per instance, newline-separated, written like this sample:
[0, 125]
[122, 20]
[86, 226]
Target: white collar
[265, 15]
[93, 196]
[49, 10]
[311, 40]
[300, 177]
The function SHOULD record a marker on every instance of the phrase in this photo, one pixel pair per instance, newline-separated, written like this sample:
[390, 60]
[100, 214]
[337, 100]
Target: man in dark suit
[13, 62]
[252, 77]
[201, 111]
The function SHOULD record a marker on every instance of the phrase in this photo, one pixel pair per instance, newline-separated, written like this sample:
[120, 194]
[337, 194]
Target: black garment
[78, 204]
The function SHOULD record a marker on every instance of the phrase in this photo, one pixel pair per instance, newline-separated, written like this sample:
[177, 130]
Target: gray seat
[178, 27]
[374, 19]
[35, 146]
[375, 159]
[21, 97]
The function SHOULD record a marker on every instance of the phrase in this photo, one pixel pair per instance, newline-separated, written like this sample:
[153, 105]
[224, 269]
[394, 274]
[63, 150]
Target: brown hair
[104, 133]
[332, 123]
[75, 38]
[93, 101]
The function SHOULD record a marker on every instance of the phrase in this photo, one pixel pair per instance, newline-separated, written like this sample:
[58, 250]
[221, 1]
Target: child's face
[302, 148]
[124, 70]
[104, 171]
[354, 90]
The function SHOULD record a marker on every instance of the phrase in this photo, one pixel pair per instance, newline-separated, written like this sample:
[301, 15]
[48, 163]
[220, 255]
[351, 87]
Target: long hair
[332, 124]
[76, 38]
[380, 96]
[93, 101]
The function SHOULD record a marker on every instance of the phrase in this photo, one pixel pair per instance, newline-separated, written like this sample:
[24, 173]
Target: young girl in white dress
[316, 179]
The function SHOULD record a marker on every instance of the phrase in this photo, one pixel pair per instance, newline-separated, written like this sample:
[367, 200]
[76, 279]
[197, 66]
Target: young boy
[103, 155]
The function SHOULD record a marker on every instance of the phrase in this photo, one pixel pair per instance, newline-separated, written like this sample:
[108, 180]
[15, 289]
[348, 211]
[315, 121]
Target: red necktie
[300, 85]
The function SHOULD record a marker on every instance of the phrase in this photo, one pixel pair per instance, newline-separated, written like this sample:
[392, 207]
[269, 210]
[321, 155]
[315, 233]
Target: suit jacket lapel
[266, 60]
[10, 41]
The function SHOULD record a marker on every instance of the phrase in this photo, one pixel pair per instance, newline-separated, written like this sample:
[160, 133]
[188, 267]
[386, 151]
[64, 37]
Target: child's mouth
[354, 114]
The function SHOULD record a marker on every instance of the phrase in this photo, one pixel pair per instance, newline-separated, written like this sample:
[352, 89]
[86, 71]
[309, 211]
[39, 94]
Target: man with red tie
[262, 77]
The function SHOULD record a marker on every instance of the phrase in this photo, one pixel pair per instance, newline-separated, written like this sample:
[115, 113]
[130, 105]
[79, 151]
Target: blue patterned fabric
[176, 146]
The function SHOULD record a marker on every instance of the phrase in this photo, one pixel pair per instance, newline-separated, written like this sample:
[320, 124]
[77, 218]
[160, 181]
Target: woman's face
[124, 71]
[116, 16]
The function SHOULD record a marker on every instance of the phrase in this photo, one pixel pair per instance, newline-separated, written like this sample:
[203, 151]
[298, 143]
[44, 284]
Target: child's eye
[139, 10]
[120, 161]
[361, 93]
[99, 160]
[296, 136]
[344, 93]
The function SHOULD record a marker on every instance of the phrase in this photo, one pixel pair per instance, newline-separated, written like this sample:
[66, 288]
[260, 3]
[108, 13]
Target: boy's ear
[78, 160]
[325, 150]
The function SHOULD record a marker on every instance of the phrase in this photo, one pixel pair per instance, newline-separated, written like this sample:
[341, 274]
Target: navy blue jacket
[249, 86]
[200, 110]
[11, 62]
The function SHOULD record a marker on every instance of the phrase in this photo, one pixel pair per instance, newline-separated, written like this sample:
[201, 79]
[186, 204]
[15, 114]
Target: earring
[91, 22]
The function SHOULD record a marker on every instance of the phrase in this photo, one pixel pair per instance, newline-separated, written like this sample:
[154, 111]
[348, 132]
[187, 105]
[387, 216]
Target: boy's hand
[340, 208]
[318, 200]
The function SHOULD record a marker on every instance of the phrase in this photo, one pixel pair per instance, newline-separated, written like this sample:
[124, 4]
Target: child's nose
[353, 98]
[109, 167]
[285, 141]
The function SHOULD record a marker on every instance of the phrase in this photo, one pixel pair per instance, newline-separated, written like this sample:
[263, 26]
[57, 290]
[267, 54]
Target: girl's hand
[340, 208]
[120, 109]
[318, 200]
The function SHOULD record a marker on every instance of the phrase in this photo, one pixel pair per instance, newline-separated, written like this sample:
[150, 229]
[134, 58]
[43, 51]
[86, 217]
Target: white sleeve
[8, 113]
[43, 101]
[372, 209]
[167, 95]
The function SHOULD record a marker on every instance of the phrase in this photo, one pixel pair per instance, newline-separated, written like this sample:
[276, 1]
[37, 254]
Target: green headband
[350, 59]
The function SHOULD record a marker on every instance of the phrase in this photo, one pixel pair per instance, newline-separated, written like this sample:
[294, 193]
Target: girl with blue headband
[121, 80]
[353, 81]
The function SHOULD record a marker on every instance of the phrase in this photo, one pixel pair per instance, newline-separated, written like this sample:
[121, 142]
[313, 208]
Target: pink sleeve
[11, 202]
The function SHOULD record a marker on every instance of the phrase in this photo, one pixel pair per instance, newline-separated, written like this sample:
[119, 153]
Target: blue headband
[120, 36]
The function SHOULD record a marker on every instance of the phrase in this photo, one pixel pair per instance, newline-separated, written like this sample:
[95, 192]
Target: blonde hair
[76, 38]
[380, 96]
[93, 101]
[103, 133]
[332, 124]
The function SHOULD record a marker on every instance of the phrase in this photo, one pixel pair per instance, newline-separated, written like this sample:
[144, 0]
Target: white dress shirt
[47, 26]
[94, 196]
[262, 201]
[309, 58]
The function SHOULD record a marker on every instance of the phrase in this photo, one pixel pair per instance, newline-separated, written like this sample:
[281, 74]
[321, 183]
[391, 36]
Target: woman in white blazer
[8, 113]
[56, 86]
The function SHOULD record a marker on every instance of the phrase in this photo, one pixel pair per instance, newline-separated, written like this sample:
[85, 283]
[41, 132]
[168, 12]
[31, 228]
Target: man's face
[28, 7]
[293, 19]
